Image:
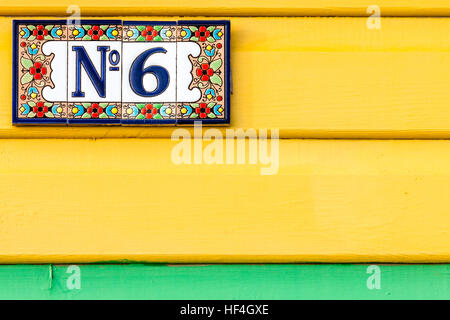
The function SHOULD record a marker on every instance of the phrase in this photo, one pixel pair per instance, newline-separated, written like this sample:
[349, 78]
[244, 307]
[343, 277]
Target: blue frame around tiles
[32, 72]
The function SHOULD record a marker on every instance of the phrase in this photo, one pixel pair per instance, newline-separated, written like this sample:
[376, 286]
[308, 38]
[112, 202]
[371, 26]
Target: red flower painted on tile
[95, 32]
[205, 72]
[149, 111]
[202, 110]
[40, 32]
[40, 109]
[37, 70]
[202, 33]
[149, 33]
[95, 110]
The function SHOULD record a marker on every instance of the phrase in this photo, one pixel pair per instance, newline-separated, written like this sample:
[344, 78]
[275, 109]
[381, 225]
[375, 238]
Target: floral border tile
[149, 31]
[210, 73]
[95, 30]
[157, 113]
[94, 112]
[32, 72]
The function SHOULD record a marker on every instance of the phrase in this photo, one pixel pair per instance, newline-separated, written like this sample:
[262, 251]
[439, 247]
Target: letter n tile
[94, 83]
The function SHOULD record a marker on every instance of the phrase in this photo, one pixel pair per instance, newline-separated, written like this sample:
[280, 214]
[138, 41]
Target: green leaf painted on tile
[211, 115]
[211, 28]
[49, 27]
[157, 117]
[48, 104]
[31, 114]
[49, 115]
[194, 39]
[140, 28]
[87, 26]
[27, 77]
[104, 37]
[157, 28]
[195, 105]
[86, 115]
[86, 104]
[103, 116]
[157, 38]
[157, 105]
[201, 59]
[31, 38]
[140, 116]
[103, 104]
[216, 64]
[211, 104]
[104, 27]
[193, 115]
[86, 37]
[48, 37]
[193, 29]
[140, 38]
[39, 83]
[40, 57]
[31, 27]
[210, 39]
[216, 79]
[140, 105]
[31, 104]
[27, 63]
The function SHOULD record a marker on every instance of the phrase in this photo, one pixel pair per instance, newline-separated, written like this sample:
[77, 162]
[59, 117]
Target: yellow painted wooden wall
[90, 194]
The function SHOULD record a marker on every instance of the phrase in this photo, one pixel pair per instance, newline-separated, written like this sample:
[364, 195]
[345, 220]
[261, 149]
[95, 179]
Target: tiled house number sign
[121, 72]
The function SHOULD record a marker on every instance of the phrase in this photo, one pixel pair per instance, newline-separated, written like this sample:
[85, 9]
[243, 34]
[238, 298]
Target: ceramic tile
[149, 60]
[114, 72]
[203, 77]
[94, 82]
[39, 94]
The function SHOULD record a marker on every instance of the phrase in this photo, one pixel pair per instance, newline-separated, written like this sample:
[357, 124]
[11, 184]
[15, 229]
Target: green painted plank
[134, 281]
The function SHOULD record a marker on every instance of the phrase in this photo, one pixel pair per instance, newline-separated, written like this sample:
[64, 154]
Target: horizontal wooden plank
[125, 200]
[312, 78]
[252, 282]
[232, 7]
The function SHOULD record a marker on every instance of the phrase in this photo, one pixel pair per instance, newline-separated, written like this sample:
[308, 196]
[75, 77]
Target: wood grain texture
[124, 200]
[252, 282]
[312, 78]
[231, 7]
